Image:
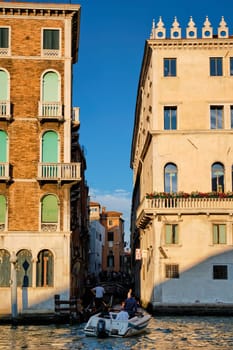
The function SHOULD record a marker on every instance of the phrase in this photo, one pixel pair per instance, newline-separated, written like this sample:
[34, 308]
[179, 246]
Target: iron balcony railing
[160, 206]
[59, 171]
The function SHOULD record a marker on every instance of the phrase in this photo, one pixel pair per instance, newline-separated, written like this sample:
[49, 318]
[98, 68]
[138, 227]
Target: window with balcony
[170, 178]
[219, 234]
[5, 267]
[24, 268]
[171, 234]
[217, 171]
[49, 156]
[50, 105]
[45, 269]
[4, 166]
[220, 272]
[51, 42]
[4, 41]
[4, 94]
[49, 213]
[172, 271]
[216, 117]
[216, 66]
[170, 118]
[169, 67]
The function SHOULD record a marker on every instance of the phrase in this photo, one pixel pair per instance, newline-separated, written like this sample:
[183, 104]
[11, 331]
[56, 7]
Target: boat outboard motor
[101, 329]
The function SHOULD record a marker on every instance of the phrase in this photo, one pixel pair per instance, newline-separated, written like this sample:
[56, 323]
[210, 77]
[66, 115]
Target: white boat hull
[105, 325]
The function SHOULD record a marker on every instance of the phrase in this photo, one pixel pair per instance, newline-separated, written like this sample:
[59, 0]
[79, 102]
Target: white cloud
[117, 200]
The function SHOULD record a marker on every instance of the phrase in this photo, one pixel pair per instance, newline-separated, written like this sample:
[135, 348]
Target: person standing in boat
[131, 305]
[99, 294]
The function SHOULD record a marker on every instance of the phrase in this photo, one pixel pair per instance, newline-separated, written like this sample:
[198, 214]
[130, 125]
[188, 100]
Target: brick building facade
[41, 171]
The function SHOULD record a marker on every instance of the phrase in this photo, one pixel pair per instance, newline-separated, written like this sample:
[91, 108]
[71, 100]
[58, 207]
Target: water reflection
[164, 333]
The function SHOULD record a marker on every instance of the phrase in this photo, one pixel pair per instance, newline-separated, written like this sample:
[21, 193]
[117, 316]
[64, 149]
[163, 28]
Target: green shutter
[175, 228]
[3, 146]
[215, 234]
[50, 87]
[49, 209]
[50, 147]
[168, 234]
[2, 209]
[4, 37]
[222, 234]
[3, 85]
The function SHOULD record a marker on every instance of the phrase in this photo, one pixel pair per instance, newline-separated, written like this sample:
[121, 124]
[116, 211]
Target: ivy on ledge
[195, 194]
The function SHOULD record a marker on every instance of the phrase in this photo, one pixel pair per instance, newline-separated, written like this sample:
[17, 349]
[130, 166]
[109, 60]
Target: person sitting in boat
[131, 305]
[122, 315]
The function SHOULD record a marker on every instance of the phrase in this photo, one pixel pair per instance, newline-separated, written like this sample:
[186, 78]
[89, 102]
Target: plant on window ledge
[194, 194]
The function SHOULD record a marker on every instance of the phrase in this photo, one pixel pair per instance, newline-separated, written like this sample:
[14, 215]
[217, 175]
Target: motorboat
[106, 324]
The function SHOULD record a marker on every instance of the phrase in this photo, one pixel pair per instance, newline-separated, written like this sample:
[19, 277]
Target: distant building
[182, 161]
[97, 240]
[43, 194]
[113, 251]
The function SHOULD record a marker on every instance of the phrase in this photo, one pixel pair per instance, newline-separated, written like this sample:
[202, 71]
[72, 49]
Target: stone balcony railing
[161, 206]
[50, 110]
[4, 171]
[59, 172]
[5, 110]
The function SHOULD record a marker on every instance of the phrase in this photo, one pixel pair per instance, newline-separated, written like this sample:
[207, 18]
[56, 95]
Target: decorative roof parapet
[158, 30]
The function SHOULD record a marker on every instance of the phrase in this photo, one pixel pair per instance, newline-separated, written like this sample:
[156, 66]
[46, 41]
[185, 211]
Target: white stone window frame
[178, 244]
[50, 227]
[51, 53]
[41, 89]
[6, 51]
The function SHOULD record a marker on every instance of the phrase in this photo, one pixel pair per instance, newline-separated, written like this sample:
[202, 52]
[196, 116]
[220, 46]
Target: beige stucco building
[182, 161]
[43, 213]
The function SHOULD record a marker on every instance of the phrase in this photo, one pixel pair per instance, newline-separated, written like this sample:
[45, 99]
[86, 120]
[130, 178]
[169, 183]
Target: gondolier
[99, 294]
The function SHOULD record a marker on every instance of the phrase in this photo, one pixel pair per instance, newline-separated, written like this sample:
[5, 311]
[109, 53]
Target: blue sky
[112, 40]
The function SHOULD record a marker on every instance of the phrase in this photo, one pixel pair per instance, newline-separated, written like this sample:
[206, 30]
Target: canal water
[164, 333]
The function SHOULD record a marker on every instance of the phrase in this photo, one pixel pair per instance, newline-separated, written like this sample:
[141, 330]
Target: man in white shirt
[99, 293]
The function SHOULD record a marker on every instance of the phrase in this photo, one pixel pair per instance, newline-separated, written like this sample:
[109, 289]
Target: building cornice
[191, 43]
[41, 9]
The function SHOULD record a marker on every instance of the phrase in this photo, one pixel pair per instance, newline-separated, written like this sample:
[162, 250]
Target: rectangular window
[216, 117]
[231, 65]
[231, 117]
[219, 234]
[4, 38]
[169, 67]
[51, 39]
[110, 236]
[170, 118]
[216, 66]
[171, 234]
[220, 272]
[172, 271]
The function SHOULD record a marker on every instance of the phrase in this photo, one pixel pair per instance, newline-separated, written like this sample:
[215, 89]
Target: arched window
[49, 154]
[3, 153]
[217, 177]
[4, 93]
[170, 178]
[44, 269]
[49, 213]
[24, 268]
[2, 212]
[50, 147]
[50, 94]
[5, 268]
